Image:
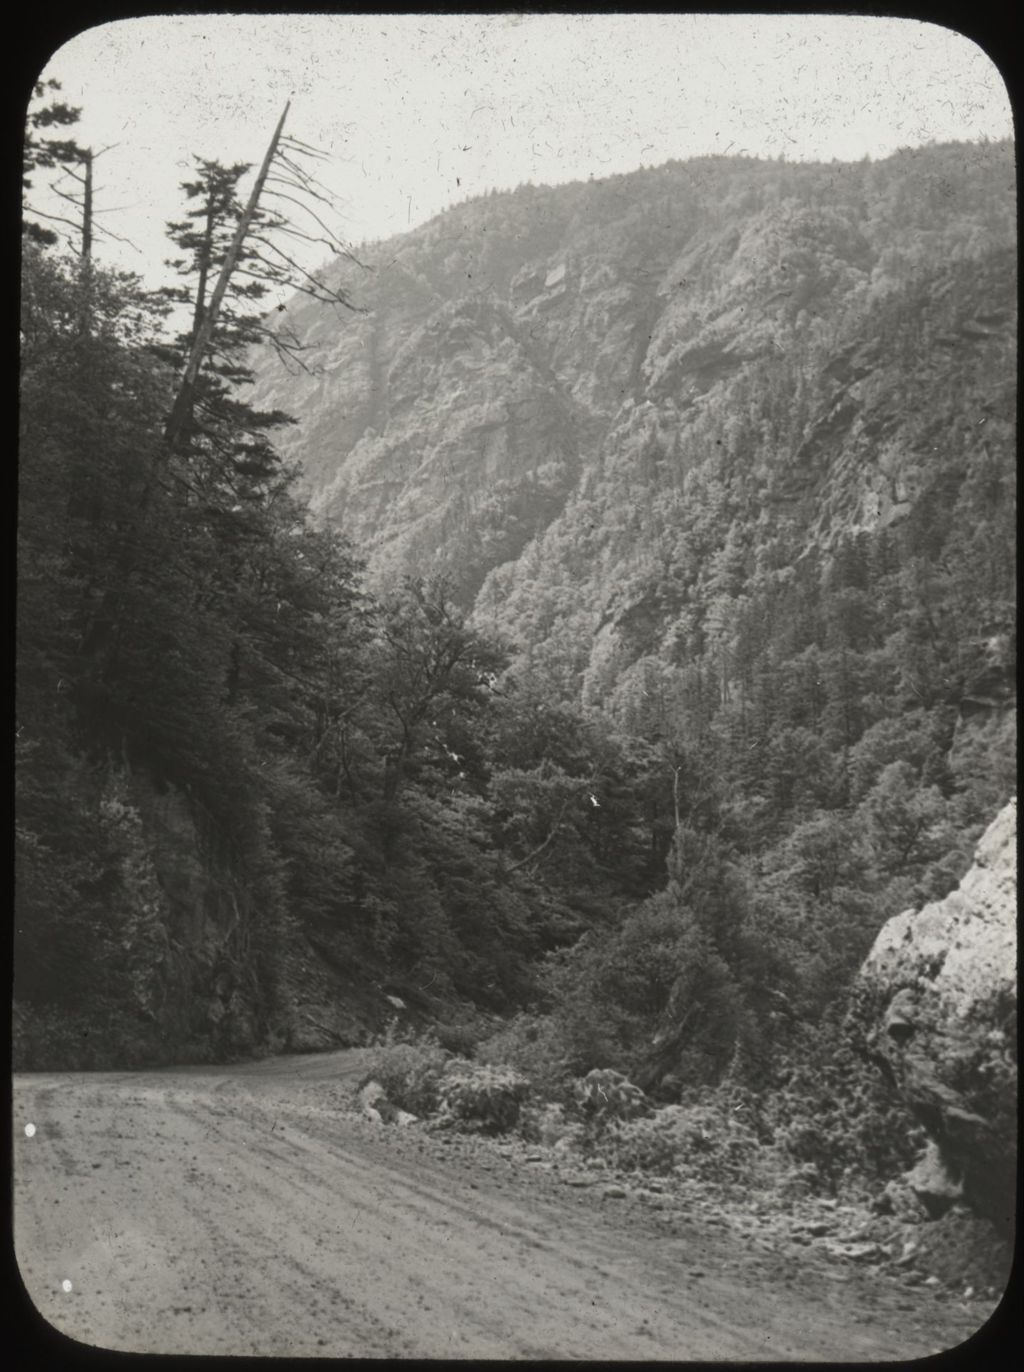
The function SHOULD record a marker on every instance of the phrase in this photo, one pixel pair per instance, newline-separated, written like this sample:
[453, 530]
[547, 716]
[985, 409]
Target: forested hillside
[229, 754]
[647, 639]
[722, 451]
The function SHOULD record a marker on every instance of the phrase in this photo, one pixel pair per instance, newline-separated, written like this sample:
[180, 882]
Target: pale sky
[418, 112]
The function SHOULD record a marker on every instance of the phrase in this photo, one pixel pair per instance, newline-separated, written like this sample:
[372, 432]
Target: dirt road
[240, 1211]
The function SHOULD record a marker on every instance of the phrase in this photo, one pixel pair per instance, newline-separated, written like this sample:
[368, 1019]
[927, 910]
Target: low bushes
[488, 1099]
[604, 1095]
[422, 1077]
[534, 1047]
[818, 1131]
[703, 1141]
[833, 1116]
[410, 1073]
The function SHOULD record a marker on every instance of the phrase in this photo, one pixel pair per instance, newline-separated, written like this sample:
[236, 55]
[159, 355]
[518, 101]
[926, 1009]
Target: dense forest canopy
[695, 667]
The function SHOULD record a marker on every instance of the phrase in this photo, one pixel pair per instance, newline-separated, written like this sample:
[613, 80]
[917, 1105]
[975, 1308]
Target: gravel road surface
[248, 1210]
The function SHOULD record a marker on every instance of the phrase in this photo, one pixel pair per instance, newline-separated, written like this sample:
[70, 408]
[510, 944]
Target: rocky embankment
[936, 1006]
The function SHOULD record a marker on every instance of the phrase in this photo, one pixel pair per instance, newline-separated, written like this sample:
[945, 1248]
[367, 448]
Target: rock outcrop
[936, 1005]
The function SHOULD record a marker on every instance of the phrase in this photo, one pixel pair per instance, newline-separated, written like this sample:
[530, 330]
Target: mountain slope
[520, 347]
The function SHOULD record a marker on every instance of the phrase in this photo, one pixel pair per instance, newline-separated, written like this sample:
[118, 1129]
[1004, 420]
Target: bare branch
[352, 258]
[320, 291]
[312, 214]
[305, 188]
[265, 274]
[55, 218]
[308, 181]
[119, 238]
[305, 148]
[291, 232]
[286, 356]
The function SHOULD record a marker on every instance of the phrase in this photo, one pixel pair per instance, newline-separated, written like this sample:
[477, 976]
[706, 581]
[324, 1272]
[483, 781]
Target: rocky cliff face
[936, 1005]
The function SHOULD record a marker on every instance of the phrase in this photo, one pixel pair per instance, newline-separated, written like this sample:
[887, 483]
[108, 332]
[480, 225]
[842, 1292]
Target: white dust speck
[30, 1130]
[65, 1285]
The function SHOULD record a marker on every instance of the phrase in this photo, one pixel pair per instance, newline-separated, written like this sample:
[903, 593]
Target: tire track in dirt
[431, 1277]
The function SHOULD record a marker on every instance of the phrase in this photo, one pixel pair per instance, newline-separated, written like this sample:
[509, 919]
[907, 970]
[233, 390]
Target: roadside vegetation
[810, 1164]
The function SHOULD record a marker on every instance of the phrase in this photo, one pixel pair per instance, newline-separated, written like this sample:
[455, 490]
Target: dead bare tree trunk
[182, 409]
[87, 208]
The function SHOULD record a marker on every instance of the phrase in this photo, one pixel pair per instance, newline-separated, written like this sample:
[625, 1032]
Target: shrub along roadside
[481, 1098]
[755, 1155]
[409, 1072]
[425, 1079]
[816, 1132]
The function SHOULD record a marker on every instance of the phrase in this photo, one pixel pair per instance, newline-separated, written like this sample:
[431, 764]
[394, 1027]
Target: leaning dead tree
[254, 252]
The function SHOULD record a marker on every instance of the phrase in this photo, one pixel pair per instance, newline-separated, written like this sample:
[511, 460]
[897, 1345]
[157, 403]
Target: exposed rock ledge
[936, 1005]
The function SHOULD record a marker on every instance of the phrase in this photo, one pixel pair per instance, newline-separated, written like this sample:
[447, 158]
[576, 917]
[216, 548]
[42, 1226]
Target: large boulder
[936, 1005]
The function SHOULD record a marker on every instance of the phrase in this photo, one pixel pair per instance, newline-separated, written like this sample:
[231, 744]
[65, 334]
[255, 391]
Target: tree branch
[54, 218]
